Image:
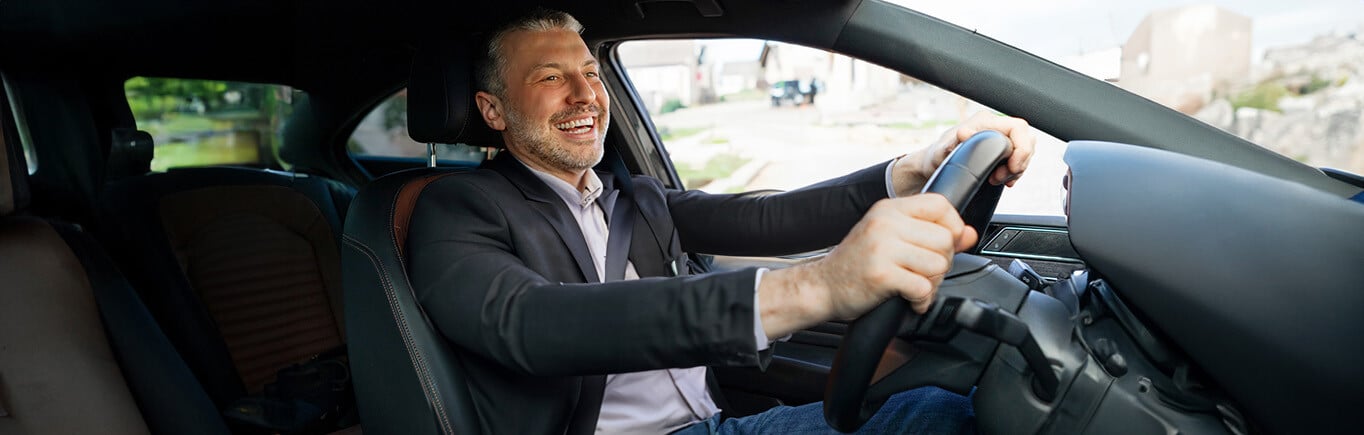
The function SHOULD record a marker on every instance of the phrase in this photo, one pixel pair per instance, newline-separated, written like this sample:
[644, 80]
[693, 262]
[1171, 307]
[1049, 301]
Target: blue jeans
[928, 410]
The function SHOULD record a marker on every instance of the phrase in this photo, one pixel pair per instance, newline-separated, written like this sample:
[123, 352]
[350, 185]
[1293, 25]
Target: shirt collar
[569, 192]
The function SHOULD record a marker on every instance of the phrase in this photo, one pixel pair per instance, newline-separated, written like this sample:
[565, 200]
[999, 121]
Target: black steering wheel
[850, 397]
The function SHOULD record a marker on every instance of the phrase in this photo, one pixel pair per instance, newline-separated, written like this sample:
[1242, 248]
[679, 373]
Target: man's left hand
[918, 167]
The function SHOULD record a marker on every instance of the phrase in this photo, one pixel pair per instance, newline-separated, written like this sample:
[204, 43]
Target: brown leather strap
[403, 206]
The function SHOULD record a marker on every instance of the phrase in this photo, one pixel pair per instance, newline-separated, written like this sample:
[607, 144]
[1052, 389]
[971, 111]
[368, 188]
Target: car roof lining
[373, 44]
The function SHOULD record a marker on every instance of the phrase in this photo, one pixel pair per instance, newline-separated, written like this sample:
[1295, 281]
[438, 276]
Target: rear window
[382, 135]
[210, 122]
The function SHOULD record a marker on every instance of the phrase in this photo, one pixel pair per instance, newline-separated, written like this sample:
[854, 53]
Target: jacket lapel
[551, 207]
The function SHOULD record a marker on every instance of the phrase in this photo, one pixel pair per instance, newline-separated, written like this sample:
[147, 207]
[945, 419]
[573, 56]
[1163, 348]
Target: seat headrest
[130, 154]
[13, 173]
[440, 98]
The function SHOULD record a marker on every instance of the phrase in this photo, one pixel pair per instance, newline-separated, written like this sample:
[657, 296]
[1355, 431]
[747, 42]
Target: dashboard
[1039, 241]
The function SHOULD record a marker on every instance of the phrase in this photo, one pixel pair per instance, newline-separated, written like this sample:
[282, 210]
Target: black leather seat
[240, 266]
[79, 353]
[407, 378]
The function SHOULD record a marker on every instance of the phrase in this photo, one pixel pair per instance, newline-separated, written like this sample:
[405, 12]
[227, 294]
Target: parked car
[1198, 283]
[786, 92]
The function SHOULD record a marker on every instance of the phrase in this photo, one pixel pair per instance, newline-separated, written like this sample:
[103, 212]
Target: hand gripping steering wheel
[850, 397]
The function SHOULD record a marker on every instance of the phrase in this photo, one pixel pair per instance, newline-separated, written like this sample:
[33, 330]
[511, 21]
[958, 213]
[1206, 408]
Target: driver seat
[406, 375]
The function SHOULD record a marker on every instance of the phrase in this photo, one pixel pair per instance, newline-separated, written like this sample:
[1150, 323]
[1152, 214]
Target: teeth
[574, 124]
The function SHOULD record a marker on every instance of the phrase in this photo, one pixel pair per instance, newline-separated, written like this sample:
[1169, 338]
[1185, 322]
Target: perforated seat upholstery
[240, 265]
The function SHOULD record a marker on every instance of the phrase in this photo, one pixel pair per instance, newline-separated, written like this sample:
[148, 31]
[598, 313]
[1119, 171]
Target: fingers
[968, 239]
[929, 232]
[1019, 133]
[1024, 142]
[932, 208]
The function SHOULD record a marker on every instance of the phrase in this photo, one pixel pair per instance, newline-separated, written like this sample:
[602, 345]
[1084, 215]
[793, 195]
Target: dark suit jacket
[499, 263]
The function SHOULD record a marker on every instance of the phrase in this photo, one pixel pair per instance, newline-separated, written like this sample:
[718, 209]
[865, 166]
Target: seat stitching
[421, 359]
[414, 355]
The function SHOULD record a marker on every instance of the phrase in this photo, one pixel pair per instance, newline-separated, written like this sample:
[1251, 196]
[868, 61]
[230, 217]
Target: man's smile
[584, 125]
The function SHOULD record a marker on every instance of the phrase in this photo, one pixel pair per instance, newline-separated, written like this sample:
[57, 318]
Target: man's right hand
[901, 248]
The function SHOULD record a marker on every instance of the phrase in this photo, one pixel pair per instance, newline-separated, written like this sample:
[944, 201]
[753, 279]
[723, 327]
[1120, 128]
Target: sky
[1057, 29]
[1060, 30]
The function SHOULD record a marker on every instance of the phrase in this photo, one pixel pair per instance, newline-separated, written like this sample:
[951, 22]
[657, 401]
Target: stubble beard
[541, 143]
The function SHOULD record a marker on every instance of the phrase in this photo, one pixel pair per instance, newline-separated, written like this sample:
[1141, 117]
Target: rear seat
[78, 351]
[240, 266]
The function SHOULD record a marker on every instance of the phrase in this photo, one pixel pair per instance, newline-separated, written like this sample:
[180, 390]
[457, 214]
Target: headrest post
[431, 154]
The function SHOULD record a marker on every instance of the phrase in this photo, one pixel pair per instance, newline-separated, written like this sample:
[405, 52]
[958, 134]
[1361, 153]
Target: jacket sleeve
[482, 297]
[768, 224]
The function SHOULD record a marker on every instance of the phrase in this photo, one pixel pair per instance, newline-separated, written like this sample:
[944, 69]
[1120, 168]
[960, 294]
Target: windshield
[1288, 76]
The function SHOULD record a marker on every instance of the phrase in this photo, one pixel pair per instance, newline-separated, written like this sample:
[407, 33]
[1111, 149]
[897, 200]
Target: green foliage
[207, 122]
[671, 105]
[395, 112]
[719, 166]
[1264, 96]
[1316, 84]
[150, 97]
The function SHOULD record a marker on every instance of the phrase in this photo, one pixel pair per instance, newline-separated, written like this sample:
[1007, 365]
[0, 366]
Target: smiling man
[567, 292]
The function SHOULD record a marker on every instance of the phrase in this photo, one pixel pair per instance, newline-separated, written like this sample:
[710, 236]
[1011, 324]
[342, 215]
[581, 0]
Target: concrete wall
[663, 70]
[1177, 57]
[848, 84]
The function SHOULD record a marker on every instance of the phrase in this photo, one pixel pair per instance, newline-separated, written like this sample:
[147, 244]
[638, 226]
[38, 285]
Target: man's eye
[591, 74]
[551, 78]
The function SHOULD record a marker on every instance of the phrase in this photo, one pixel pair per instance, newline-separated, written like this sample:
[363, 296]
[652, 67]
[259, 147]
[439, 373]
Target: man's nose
[581, 91]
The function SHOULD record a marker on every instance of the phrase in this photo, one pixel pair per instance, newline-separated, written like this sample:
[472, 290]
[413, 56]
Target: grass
[715, 140]
[746, 95]
[226, 147]
[214, 150]
[719, 166]
[178, 123]
[667, 133]
[1264, 96]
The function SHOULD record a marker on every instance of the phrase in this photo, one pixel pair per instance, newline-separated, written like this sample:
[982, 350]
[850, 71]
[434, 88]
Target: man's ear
[491, 108]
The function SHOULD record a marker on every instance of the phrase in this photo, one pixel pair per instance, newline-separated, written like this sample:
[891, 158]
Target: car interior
[1198, 284]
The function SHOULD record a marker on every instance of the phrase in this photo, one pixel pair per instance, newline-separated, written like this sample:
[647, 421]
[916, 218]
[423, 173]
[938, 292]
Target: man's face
[555, 111]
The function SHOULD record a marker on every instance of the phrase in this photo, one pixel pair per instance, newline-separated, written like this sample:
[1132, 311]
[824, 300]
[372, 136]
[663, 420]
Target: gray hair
[491, 66]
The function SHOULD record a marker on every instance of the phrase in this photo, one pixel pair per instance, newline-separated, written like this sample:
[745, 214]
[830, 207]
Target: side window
[741, 115]
[382, 134]
[210, 122]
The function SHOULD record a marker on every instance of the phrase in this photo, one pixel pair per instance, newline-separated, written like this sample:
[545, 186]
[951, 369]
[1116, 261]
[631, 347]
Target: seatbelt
[676, 266]
[622, 224]
[621, 174]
